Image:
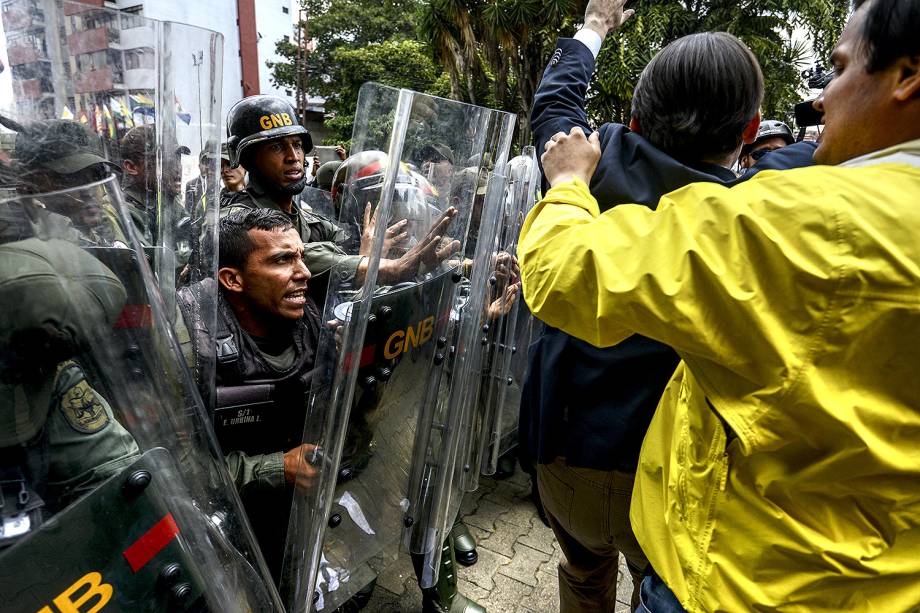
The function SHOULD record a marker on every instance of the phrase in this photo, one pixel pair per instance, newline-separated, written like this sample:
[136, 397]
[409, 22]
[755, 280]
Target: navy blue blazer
[590, 405]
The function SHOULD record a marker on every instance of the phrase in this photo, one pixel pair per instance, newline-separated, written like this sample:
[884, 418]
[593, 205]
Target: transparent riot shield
[317, 201]
[114, 491]
[148, 93]
[393, 343]
[504, 365]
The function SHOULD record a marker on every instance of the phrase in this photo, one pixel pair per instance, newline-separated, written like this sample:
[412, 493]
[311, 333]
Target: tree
[398, 63]
[494, 51]
[507, 43]
[355, 40]
[766, 27]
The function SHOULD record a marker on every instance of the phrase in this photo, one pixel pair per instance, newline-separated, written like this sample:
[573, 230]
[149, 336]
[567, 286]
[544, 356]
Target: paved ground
[518, 555]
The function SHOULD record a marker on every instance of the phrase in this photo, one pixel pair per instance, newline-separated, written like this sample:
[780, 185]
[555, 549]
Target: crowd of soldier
[692, 334]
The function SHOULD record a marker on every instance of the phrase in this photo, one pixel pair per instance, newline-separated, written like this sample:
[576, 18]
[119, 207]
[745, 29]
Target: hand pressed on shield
[392, 238]
[297, 469]
[506, 268]
[502, 305]
[426, 254]
[571, 156]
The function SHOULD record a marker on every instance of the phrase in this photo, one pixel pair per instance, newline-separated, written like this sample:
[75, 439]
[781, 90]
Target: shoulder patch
[82, 409]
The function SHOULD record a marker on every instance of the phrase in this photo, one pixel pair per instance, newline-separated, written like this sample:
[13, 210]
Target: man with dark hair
[780, 468]
[197, 188]
[696, 103]
[147, 185]
[699, 98]
[265, 340]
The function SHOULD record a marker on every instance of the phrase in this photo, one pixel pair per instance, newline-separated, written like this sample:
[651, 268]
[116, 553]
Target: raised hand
[393, 237]
[606, 16]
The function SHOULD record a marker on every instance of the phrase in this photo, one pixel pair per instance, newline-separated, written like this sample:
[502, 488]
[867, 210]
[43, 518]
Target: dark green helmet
[325, 173]
[260, 118]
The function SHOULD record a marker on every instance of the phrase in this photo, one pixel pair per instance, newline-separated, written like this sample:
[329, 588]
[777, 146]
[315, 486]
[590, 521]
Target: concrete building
[110, 53]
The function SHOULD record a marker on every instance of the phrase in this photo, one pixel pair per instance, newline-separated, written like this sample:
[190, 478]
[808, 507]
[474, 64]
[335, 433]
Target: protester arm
[707, 273]
[559, 103]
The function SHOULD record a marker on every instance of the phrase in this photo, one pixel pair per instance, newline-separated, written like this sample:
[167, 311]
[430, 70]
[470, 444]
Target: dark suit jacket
[593, 406]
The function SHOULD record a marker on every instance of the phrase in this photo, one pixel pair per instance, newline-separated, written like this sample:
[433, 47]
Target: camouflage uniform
[58, 435]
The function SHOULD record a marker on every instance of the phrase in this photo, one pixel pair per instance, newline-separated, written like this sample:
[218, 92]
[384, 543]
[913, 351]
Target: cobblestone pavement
[518, 556]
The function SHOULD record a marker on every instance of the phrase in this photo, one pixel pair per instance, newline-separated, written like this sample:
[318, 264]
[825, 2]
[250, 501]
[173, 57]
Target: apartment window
[285, 10]
[132, 18]
[138, 59]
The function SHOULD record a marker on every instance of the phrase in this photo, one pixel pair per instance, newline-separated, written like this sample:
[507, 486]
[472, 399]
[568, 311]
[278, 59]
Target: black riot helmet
[260, 118]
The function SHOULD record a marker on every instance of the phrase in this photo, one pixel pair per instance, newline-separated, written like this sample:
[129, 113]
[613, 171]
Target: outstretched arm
[559, 103]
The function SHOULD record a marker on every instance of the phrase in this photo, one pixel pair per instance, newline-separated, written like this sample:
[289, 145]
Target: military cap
[58, 145]
[208, 148]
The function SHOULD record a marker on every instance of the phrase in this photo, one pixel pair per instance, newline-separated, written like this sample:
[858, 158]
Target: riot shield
[317, 201]
[147, 95]
[114, 490]
[505, 363]
[393, 346]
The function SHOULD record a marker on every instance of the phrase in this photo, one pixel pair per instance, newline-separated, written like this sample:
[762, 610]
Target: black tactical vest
[257, 408]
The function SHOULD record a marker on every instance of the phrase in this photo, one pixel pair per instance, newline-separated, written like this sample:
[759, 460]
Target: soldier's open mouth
[299, 297]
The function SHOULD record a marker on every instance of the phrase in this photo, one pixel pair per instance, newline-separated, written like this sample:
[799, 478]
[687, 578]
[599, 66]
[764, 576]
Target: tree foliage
[398, 63]
[766, 27]
[356, 41]
[493, 52]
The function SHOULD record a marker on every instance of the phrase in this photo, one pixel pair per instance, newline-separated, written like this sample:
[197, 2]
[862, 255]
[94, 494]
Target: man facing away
[780, 469]
[696, 102]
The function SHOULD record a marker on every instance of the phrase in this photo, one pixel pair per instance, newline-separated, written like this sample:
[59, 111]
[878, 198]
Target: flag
[66, 113]
[109, 122]
[97, 115]
[181, 114]
[120, 111]
[83, 117]
[142, 100]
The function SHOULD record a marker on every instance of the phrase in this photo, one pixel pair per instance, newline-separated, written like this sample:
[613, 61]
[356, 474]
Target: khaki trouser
[588, 511]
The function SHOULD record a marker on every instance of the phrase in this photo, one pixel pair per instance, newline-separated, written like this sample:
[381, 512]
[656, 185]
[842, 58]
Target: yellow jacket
[782, 468]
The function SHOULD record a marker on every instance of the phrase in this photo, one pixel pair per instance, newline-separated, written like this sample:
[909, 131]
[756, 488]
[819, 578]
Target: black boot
[506, 465]
[359, 600]
[444, 597]
[464, 544]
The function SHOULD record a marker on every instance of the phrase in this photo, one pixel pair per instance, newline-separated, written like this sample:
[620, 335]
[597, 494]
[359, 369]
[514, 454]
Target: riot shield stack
[394, 343]
[115, 492]
[121, 492]
[504, 365]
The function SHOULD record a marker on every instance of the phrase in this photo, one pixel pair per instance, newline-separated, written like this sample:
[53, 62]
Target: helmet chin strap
[274, 189]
